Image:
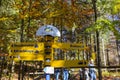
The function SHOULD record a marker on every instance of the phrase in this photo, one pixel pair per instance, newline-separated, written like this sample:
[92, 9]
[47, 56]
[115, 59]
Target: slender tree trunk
[108, 61]
[21, 40]
[22, 29]
[29, 19]
[118, 51]
[104, 56]
[0, 2]
[97, 36]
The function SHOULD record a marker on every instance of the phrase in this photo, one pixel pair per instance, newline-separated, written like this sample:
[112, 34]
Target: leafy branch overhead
[70, 12]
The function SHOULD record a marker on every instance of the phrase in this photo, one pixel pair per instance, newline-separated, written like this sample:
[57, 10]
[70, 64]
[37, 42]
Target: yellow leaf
[12, 31]
[3, 18]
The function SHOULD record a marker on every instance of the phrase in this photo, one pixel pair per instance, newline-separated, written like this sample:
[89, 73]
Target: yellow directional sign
[27, 51]
[26, 47]
[69, 46]
[69, 63]
[28, 57]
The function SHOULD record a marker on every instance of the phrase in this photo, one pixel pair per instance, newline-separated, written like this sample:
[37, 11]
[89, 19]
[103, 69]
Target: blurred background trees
[19, 20]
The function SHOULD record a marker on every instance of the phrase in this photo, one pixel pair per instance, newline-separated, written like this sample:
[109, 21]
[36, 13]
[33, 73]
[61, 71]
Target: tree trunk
[97, 37]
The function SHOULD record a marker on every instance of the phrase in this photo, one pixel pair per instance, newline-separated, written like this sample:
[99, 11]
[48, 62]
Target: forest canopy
[19, 19]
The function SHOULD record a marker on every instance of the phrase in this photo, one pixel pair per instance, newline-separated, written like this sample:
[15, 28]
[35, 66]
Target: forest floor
[15, 77]
[111, 78]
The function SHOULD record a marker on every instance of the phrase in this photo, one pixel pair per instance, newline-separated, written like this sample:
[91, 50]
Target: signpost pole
[48, 70]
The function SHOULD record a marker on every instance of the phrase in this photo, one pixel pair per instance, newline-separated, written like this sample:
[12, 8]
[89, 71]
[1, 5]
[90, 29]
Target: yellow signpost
[43, 51]
[27, 51]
